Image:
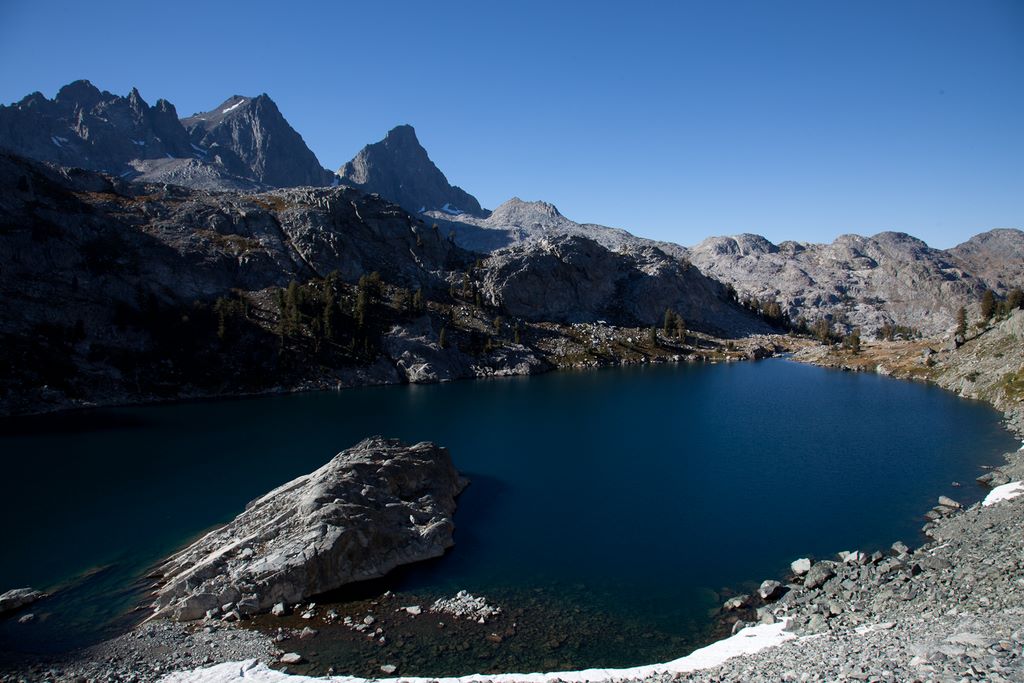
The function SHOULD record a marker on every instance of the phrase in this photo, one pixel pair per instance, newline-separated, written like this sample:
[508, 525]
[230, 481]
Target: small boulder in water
[15, 599]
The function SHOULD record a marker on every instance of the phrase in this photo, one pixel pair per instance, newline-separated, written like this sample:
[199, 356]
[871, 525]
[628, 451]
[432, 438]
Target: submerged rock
[15, 599]
[371, 508]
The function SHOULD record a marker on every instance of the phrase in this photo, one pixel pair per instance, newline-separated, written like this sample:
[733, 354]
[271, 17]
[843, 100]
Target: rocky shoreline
[408, 360]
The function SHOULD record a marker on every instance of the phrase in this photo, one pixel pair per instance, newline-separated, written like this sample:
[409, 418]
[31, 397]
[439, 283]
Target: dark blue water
[653, 488]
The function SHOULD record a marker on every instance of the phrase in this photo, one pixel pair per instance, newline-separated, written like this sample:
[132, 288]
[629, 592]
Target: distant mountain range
[245, 144]
[860, 281]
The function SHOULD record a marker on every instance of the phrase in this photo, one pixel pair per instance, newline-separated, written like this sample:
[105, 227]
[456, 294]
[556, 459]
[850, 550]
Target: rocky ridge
[867, 282]
[373, 507]
[518, 222]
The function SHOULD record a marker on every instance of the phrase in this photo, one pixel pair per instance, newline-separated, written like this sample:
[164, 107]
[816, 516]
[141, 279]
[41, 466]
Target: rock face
[372, 508]
[245, 144]
[398, 169]
[252, 131]
[867, 281]
[574, 279]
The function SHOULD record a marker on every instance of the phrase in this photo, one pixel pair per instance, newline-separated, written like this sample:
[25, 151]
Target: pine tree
[292, 313]
[680, 329]
[367, 293]
[669, 326]
[221, 307]
[822, 330]
[328, 315]
[652, 337]
[282, 315]
[852, 340]
[442, 338]
[988, 305]
[1015, 299]
[961, 322]
[361, 306]
[418, 305]
[515, 334]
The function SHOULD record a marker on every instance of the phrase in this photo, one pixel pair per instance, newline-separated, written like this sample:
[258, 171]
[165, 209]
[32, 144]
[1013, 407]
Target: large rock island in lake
[373, 507]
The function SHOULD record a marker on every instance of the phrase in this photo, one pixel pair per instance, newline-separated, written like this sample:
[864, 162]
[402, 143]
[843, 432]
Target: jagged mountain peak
[90, 128]
[403, 133]
[81, 92]
[255, 131]
[245, 143]
[399, 169]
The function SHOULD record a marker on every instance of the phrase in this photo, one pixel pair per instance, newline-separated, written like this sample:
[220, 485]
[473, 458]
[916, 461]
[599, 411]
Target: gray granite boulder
[376, 506]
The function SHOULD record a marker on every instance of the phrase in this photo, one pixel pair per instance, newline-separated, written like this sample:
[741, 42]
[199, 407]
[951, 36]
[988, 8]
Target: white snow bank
[747, 641]
[1004, 492]
[236, 105]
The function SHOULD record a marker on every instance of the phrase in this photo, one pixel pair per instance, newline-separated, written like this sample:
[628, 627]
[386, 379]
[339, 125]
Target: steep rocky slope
[113, 291]
[124, 291]
[864, 281]
[398, 169]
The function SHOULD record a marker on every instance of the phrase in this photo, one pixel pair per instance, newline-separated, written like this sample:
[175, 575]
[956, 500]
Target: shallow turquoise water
[651, 488]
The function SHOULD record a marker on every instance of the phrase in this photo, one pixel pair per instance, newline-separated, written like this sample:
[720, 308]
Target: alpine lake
[609, 512]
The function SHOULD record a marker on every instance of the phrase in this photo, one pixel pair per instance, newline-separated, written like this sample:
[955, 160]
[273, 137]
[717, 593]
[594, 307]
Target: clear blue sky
[675, 120]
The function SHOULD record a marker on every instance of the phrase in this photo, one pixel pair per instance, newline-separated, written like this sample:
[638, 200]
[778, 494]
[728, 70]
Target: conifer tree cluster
[674, 325]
